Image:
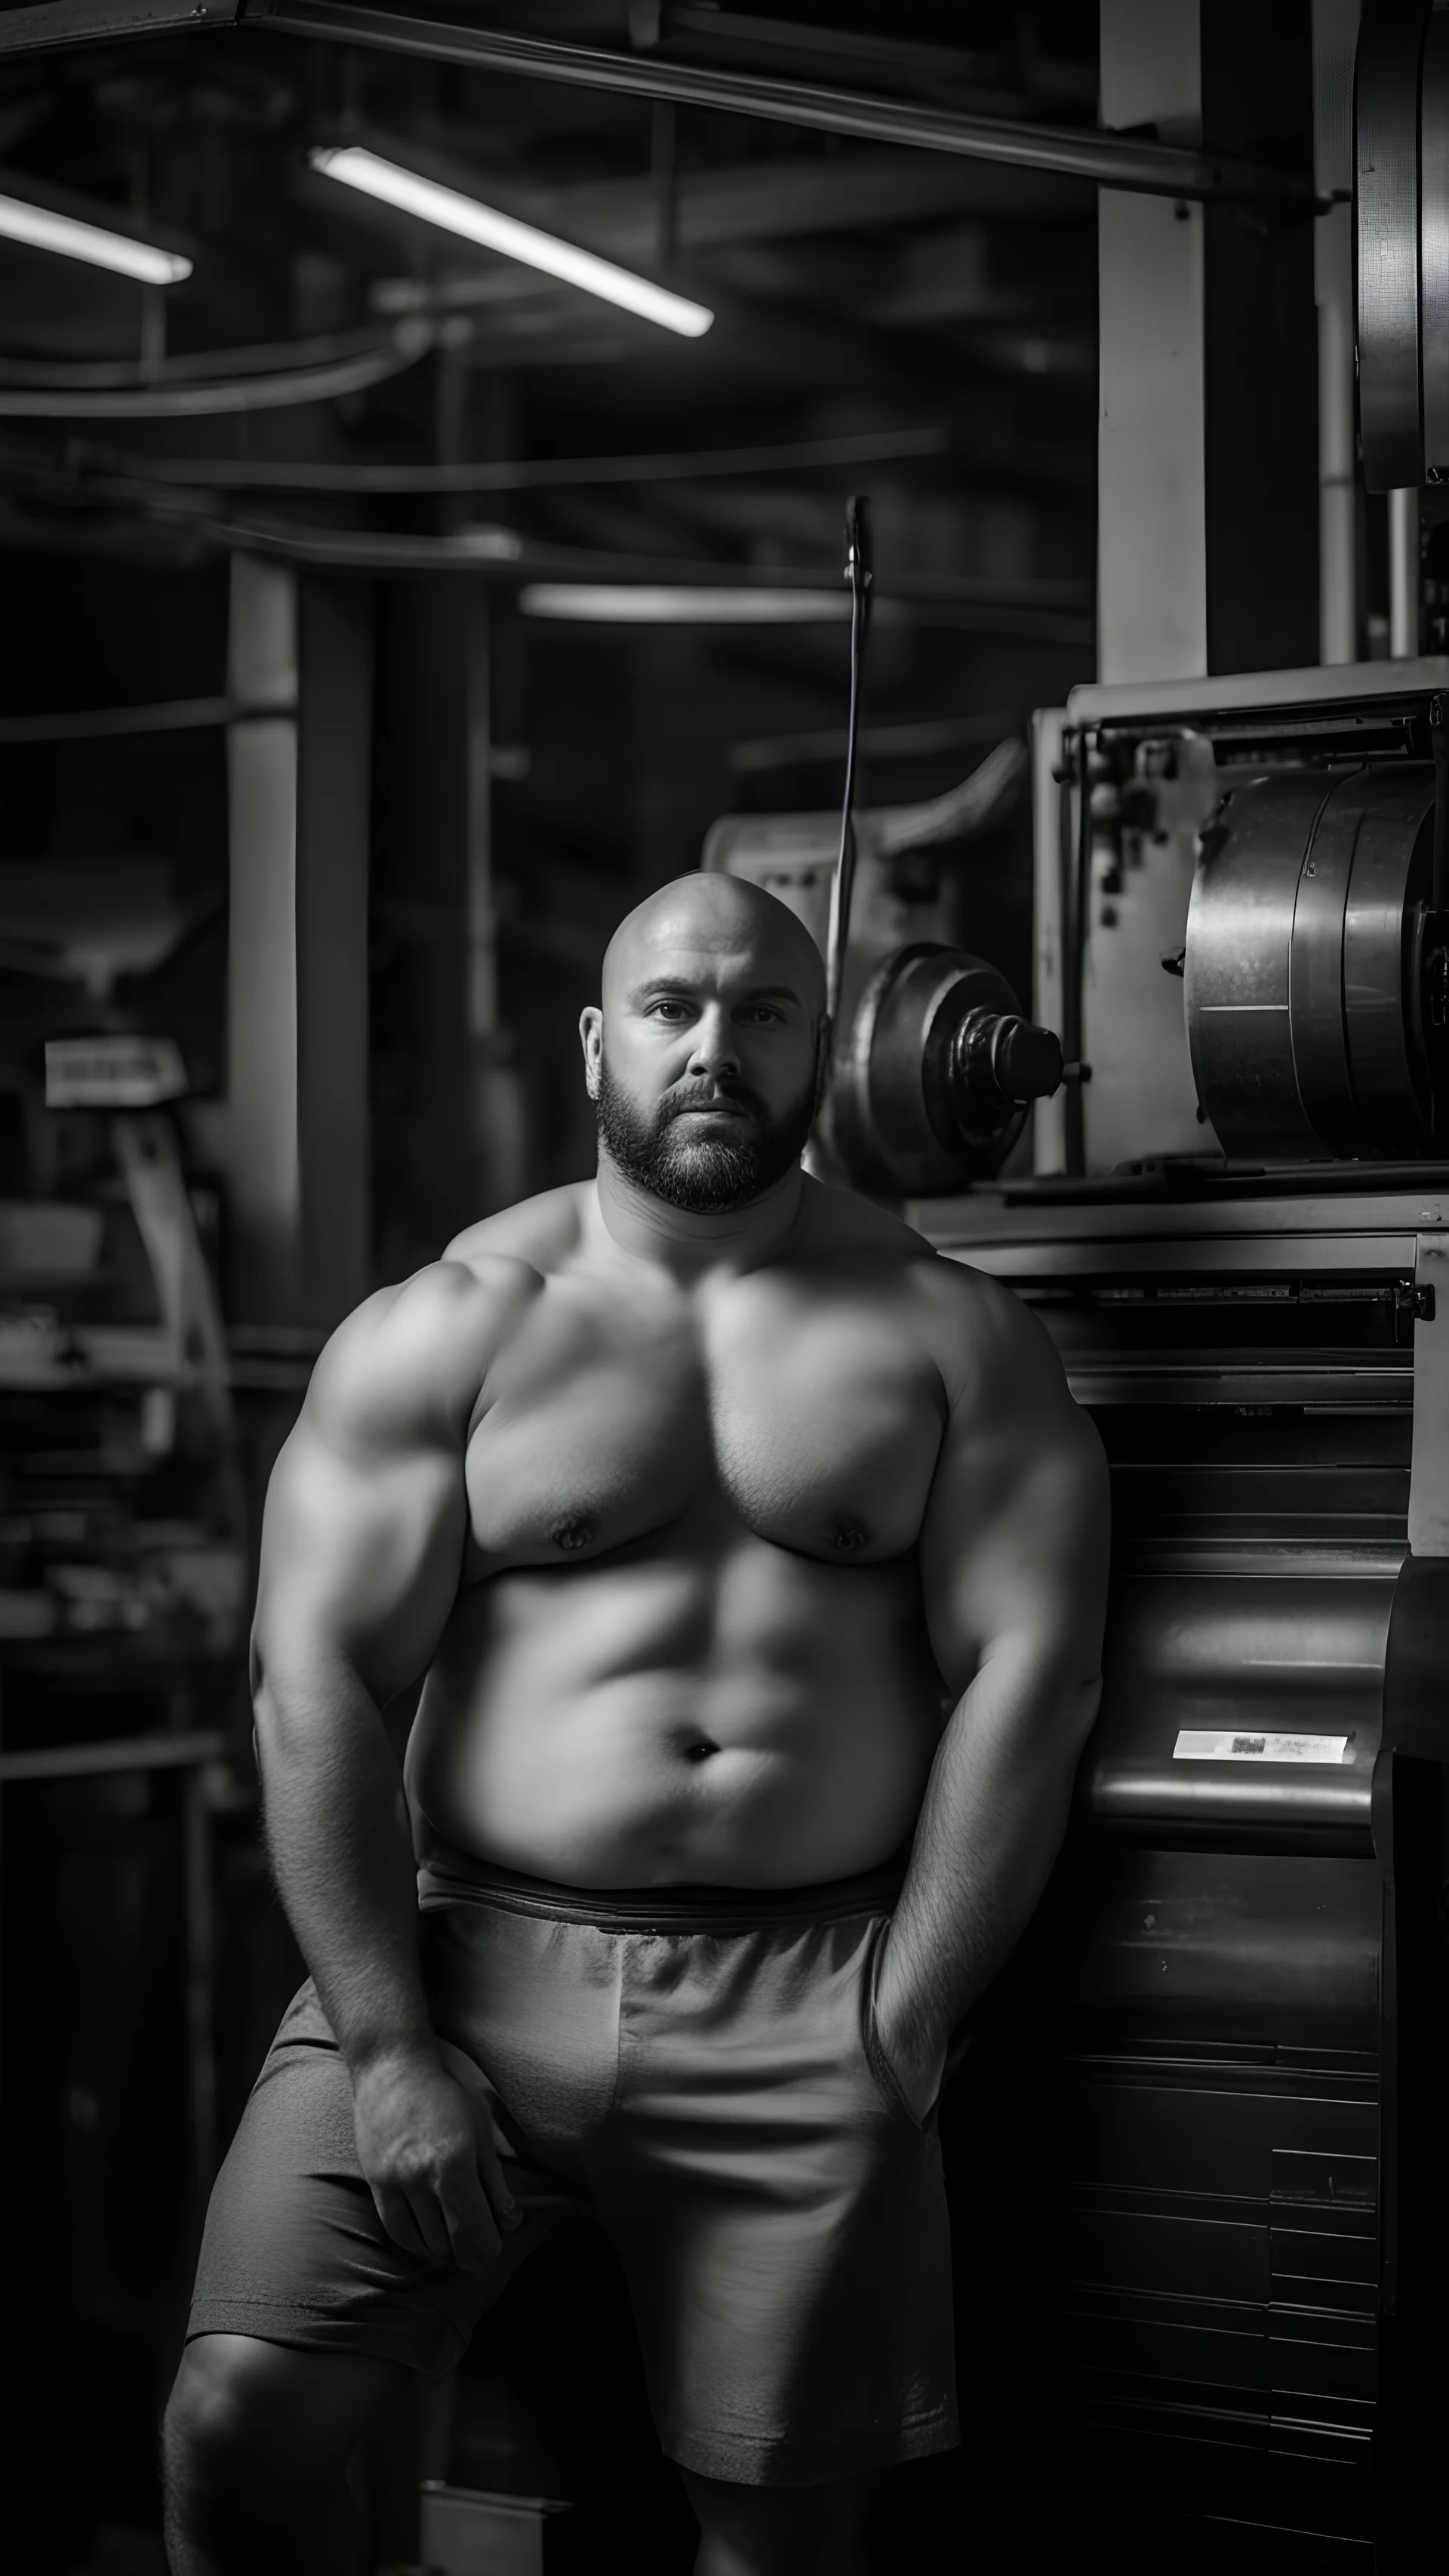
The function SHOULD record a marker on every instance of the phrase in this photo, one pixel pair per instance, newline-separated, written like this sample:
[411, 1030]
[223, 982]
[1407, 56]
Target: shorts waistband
[447, 1877]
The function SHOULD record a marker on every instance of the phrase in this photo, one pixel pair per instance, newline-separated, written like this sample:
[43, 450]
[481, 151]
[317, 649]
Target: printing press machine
[1200, 2175]
[1228, 2175]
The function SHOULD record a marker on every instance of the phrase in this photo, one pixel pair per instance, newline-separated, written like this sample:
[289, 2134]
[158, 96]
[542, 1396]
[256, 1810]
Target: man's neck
[691, 1243]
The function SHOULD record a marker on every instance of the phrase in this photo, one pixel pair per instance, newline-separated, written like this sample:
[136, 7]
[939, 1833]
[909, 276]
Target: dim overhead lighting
[413, 195]
[41, 229]
[655, 604]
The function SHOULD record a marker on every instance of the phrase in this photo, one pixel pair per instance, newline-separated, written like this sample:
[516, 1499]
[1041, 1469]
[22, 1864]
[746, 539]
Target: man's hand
[425, 2148]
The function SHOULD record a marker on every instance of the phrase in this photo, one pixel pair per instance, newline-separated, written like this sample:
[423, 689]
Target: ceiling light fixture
[414, 195]
[40, 229]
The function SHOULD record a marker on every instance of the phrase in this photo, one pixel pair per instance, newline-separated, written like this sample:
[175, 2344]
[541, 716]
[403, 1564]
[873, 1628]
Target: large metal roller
[1311, 951]
[935, 1074]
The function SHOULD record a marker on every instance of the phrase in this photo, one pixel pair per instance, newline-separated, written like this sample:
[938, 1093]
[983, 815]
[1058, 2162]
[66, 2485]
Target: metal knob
[1000, 1063]
[1026, 1062]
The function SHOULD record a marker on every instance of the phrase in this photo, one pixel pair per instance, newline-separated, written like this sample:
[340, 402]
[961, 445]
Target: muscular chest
[814, 1422]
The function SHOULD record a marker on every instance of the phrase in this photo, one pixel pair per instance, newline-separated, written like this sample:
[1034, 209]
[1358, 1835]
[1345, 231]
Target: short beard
[707, 1175]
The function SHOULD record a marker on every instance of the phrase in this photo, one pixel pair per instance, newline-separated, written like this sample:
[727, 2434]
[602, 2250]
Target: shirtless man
[755, 1557]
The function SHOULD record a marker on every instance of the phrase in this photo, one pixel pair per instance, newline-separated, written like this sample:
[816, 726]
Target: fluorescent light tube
[413, 195]
[659, 604]
[42, 230]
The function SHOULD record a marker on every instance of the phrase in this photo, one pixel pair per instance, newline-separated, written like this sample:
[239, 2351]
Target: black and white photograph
[724, 1287]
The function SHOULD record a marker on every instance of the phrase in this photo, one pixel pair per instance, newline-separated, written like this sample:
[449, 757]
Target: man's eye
[664, 1010]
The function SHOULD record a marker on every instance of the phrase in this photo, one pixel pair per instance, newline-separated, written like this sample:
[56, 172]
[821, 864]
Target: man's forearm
[337, 1831]
[990, 1827]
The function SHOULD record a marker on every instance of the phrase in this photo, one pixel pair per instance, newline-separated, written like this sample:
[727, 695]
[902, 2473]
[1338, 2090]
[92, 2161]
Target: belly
[756, 1720]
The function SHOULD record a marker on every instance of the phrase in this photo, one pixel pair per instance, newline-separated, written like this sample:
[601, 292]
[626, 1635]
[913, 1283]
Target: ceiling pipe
[1115, 160]
[181, 394]
[518, 474]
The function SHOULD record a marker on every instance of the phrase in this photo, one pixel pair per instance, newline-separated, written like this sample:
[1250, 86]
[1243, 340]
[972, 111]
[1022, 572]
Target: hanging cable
[858, 574]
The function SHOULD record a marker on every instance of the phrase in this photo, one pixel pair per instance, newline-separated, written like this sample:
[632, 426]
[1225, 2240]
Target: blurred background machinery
[395, 598]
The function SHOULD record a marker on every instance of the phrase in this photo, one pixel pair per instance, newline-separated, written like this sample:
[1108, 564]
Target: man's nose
[715, 1049]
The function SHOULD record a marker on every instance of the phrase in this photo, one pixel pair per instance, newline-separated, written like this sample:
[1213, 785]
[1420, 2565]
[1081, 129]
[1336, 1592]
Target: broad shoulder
[544, 1232]
[992, 1354]
[407, 1364]
[838, 1225]
[997, 1360]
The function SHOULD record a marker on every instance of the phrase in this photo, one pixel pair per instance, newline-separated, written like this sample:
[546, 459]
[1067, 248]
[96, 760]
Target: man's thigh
[294, 2253]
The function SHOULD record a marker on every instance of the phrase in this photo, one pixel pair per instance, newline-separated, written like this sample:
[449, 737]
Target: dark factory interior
[976, 472]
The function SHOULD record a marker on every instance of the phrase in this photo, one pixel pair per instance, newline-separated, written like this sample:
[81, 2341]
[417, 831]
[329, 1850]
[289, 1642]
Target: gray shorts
[700, 2069]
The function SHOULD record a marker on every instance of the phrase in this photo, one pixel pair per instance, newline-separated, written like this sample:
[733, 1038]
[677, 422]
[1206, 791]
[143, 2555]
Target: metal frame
[1117, 161]
[1185, 700]
[1157, 169]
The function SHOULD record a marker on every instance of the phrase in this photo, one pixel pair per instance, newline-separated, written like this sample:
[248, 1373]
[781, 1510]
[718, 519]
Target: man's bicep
[365, 1519]
[359, 1559]
[1016, 1543]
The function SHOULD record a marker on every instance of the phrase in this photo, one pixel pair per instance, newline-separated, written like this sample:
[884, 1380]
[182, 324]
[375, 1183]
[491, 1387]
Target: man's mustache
[716, 1095]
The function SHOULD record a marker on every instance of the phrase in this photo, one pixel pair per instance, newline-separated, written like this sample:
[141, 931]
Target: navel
[572, 1533]
[848, 1535]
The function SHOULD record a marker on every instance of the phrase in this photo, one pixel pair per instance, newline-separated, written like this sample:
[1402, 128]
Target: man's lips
[712, 1109]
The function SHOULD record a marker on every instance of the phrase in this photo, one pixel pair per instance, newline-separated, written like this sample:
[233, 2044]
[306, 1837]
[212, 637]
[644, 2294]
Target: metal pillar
[1152, 527]
[333, 801]
[264, 1175]
[296, 1124]
[497, 1100]
[1207, 528]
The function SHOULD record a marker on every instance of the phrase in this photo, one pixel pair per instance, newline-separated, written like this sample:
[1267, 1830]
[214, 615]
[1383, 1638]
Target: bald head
[705, 1057]
[720, 917]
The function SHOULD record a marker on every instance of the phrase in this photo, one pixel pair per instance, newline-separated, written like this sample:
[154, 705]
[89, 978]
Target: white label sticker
[1197, 1744]
[112, 1072]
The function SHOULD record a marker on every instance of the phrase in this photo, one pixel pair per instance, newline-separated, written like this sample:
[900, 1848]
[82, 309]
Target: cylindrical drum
[1305, 963]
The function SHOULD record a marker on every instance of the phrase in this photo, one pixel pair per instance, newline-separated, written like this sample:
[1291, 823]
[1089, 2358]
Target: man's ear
[591, 1034]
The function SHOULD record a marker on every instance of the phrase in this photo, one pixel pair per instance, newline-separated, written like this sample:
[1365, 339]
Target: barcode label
[1197, 1744]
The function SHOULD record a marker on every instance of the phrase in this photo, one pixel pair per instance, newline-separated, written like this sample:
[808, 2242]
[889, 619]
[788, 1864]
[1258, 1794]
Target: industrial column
[1152, 540]
[297, 1086]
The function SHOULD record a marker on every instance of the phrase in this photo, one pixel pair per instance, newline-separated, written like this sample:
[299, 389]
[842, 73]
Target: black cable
[858, 574]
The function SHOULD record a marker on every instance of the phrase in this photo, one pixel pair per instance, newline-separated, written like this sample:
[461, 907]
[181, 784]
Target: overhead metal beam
[1115, 160]
[48, 25]
[231, 473]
